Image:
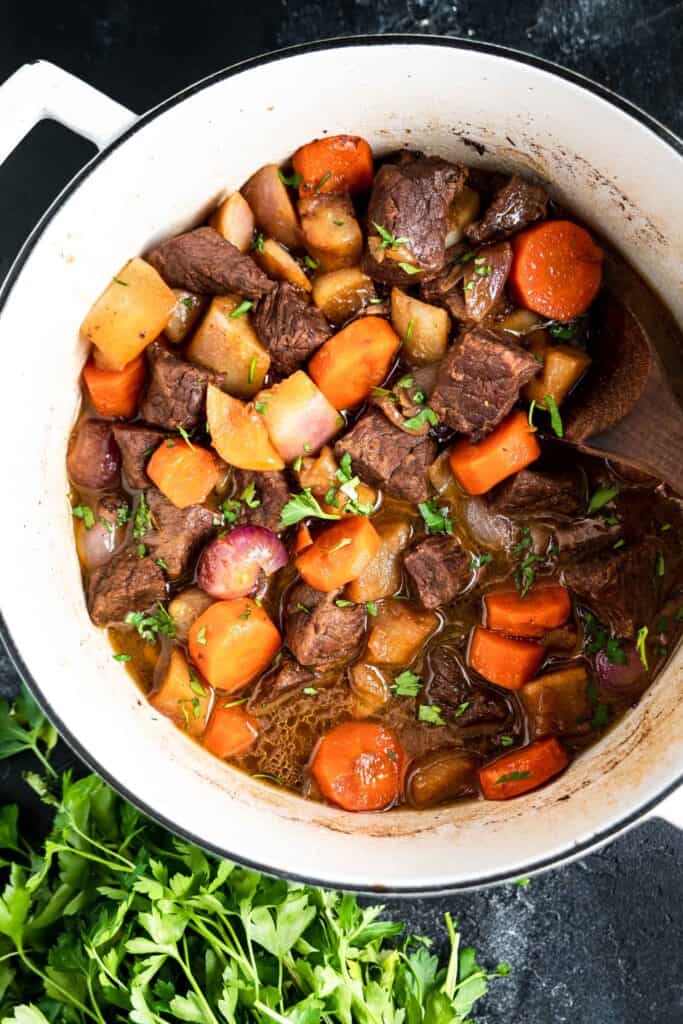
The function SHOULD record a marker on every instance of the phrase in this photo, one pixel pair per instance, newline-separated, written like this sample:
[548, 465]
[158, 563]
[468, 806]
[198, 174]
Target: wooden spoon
[629, 405]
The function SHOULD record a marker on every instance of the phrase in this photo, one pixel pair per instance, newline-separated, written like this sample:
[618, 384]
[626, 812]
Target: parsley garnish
[230, 508]
[298, 463]
[186, 437]
[240, 310]
[310, 691]
[325, 178]
[598, 639]
[258, 243]
[407, 684]
[260, 407]
[389, 241]
[188, 302]
[142, 521]
[405, 382]
[119, 281]
[337, 547]
[311, 263]
[85, 513]
[564, 331]
[641, 646]
[149, 625]
[462, 708]
[525, 573]
[512, 777]
[410, 268]
[555, 418]
[602, 497]
[122, 514]
[252, 370]
[201, 636]
[437, 520]
[162, 564]
[246, 613]
[343, 603]
[660, 567]
[301, 506]
[418, 421]
[479, 560]
[248, 496]
[506, 741]
[430, 713]
[371, 607]
[302, 608]
[293, 179]
[121, 657]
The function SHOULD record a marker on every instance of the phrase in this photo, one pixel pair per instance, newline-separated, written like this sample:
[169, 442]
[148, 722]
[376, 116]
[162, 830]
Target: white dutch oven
[615, 166]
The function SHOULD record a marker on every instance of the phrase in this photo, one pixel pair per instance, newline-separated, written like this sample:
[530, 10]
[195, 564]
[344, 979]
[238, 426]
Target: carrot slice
[340, 163]
[182, 697]
[521, 770]
[545, 607]
[556, 270]
[183, 472]
[357, 359]
[232, 641]
[339, 554]
[509, 448]
[231, 731]
[115, 392]
[501, 660]
[303, 538]
[359, 766]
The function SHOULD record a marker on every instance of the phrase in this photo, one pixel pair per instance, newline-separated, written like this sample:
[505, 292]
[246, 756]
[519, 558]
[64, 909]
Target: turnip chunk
[228, 344]
[298, 417]
[423, 328]
[234, 221]
[188, 309]
[238, 432]
[233, 566]
[272, 207]
[276, 262]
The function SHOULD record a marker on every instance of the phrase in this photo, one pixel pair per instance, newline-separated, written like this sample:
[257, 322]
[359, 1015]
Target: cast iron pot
[160, 173]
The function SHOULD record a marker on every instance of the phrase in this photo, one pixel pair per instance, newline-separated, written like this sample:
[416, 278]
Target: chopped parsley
[121, 657]
[248, 496]
[555, 418]
[252, 370]
[142, 521]
[479, 560]
[246, 613]
[522, 883]
[122, 514]
[298, 463]
[201, 636]
[302, 506]
[310, 691]
[260, 407]
[240, 310]
[303, 608]
[371, 607]
[525, 573]
[405, 382]
[119, 281]
[564, 332]
[430, 713]
[409, 330]
[325, 178]
[258, 243]
[602, 497]
[462, 708]
[424, 416]
[230, 508]
[337, 547]
[598, 639]
[293, 179]
[196, 686]
[186, 437]
[506, 741]
[437, 520]
[311, 263]
[512, 777]
[410, 268]
[641, 646]
[85, 513]
[341, 602]
[407, 684]
[142, 550]
[188, 302]
[389, 241]
[148, 626]
[162, 564]
[660, 567]
[348, 486]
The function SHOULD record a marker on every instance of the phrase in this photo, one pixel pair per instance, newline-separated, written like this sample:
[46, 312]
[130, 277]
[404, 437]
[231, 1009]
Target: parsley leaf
[240, 310]
[302, 506]
[293, 179]
[142, 520]
[149, 625]
[389, 241]
[424, 416]
[641, 646]
[407, 684]
[512, 777]
[602, 497]
[85, 513]
[430, 713]
[555, 418]
[436, 519]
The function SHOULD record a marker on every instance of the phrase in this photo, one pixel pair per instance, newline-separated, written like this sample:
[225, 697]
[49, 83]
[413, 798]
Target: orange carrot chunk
[543, 608]
[231, 731]
[556, 270]
[359, 766]
[339, 554]
[501, 660]
[356, 360]
[340, 163]
[232, 642]
[184, 473]
[303, 538]
[115, 392]
[509, 448]
[521, 770]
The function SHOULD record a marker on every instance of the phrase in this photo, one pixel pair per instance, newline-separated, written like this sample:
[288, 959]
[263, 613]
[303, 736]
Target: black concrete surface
[597, 942]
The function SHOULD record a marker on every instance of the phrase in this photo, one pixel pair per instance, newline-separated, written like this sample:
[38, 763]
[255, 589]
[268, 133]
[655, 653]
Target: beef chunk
[290, 329]
[125, 584]
[270, 490]
[176, 392]
[178, 532]
[391, 458]
[484, 281]
[585, 537]
[202, 261]
[514, 207]
[450, 689]
[280, 683]
[620, 587]
[404, 402]
[411, 201]
[136, 443]
[94, 460]
[320, 634]
[439, 568]
[479, 382]
[533, 493]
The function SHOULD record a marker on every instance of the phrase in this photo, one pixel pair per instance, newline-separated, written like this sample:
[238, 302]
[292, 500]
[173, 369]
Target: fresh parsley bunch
[113, 919]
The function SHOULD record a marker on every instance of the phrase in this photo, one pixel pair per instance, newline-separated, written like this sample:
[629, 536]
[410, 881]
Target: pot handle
[671, 809]
[41, 89]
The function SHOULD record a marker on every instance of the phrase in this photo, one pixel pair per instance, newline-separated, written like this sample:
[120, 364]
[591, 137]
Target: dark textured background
[598, 942]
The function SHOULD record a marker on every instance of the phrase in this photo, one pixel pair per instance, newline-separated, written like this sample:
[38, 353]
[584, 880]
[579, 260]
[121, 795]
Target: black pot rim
[456, 43]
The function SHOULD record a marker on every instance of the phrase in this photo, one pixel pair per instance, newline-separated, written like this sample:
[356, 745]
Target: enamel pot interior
[163, 176]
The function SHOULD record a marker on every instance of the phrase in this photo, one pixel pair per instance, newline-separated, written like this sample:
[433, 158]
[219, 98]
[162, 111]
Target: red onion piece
[619, 678]
[231, 566]
[98, 544]
[94, 459]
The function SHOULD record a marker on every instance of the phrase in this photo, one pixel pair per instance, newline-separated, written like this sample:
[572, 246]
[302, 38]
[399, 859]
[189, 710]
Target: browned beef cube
[289, 327]
[270, 490]
[475, 704]
[533, 493]
[320, 634]
[282, 682]
[176, 392]
[127, 583]
[202, 261]
[515, 206]
[439, 569]
[585, 537]
[391, 458]
[410, 202]
[484, 281]
[622, 588]
[479, 382]
[137, 442]
[178, 533]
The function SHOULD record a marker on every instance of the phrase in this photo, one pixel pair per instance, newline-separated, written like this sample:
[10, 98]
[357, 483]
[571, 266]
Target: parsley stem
[51, 983]
[451, 978]
[184, 963]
